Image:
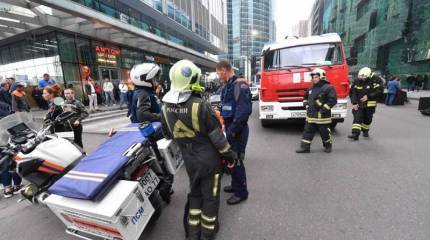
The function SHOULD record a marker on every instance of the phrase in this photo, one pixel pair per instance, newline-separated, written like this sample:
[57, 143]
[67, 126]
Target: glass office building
[250, 26]
[108, 36]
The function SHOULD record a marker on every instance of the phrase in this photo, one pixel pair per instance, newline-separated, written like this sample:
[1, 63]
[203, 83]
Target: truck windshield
[304, 56]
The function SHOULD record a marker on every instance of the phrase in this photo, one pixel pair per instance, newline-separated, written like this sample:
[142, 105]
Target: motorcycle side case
[170, 151]
[122, 214]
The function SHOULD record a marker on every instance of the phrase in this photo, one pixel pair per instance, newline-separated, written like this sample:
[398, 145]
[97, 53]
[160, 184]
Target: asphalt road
[377, 188]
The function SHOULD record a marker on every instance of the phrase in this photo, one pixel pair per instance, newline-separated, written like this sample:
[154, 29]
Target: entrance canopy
[18, 17]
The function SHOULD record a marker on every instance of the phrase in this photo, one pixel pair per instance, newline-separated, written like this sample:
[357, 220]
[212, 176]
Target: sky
[288, 13]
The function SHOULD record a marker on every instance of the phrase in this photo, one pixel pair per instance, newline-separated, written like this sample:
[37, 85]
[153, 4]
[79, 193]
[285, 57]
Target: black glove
[230, 157]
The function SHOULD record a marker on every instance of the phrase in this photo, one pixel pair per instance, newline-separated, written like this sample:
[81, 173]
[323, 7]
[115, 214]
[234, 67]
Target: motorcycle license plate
[149, 182]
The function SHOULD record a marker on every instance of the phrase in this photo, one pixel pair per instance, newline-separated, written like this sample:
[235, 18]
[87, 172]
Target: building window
[373, 20]
[360, 44]
[362, 8]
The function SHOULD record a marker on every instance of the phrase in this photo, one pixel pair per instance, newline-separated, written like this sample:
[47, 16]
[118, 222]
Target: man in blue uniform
[236, 109]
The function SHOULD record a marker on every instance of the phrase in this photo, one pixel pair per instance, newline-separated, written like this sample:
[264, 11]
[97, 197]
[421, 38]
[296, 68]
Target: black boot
[327, 147]
[304, 148]
[366, 134]
[353, 136]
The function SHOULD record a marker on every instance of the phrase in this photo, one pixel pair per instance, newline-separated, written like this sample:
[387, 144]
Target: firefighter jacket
[372, 87]
[320, 98]
[236, 103]
[195, 128]
[144, 106]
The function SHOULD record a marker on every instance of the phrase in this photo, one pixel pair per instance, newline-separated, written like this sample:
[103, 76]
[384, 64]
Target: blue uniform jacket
[236, 104]
[144, 106]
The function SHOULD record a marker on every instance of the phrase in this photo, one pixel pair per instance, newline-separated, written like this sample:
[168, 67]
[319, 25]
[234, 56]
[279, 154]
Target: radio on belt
[171, 153]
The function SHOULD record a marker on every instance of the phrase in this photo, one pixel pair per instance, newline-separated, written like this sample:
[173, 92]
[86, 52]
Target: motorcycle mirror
[59, 101]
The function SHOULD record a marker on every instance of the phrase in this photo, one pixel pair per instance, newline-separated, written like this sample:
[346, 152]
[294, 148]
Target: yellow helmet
[185, 76]
[365, 72]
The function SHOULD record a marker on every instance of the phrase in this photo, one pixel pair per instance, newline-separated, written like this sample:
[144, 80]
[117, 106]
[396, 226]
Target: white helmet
[318, 71]
[143, 74]
[365, 72]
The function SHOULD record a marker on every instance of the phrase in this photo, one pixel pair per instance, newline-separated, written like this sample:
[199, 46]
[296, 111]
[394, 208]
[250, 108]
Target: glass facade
[63, 55]
[249, 28]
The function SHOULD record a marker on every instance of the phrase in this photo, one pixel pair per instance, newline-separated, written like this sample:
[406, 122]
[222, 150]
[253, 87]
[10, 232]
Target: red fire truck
[285, 75]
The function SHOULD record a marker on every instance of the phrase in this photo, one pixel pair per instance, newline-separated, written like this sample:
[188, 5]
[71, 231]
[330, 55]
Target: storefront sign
[123, 18]
[107, 56]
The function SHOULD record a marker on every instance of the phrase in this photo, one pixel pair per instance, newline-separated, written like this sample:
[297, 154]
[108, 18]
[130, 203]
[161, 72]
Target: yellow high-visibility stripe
[225, 148]
[318, 102]
[306, 141]
[371, 103]
[182, 131]
[358, 87]
[215, 188]
[195, 117]
[195, 212]
[194, 223]
[208, 226]
[364, 126]
[326, 106]
[208, 219]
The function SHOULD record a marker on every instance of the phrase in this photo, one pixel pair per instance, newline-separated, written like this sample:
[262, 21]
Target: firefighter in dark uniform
[193, 125]
[364, 94]
[236, 108]
[318, 100]
[144, 105]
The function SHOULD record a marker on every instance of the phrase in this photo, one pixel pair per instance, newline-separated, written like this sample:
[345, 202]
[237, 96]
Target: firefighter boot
[327, 147]
[366, 134]
[354, 136]
[304, 148]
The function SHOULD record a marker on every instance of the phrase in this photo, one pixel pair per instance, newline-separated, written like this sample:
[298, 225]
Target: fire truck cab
[285, 76]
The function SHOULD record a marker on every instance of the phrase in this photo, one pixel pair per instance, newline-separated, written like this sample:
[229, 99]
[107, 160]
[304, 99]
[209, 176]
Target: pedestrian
[236, 107]
[12, 84]
[37, 96]
[108, 90]
[393, 87]
[363, 94]
[72, 104]
[90, 91]
[419, 82]
[318, 101]
[19, 99]
[5, 109]
[144, 105]
[5, 95]
[123, 88]
[99, 94]
[46, 81]
[410, 80]
[7, 176]
[191, 123]
[50, 93]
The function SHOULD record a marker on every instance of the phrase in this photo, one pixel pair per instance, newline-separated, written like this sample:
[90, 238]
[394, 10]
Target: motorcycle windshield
[12, 121]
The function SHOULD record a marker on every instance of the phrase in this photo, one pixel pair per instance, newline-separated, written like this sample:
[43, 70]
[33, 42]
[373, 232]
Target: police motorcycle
[113, 193]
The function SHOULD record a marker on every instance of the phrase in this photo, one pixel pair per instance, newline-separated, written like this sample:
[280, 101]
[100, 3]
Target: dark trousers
[8, 176]
[77, 134]
[203, 202]
[309, 133]
[238, 173]
[362, 119]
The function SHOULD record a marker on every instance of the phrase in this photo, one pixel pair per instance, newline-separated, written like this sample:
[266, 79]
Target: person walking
[364, 94]
[236, 108]
[318, 101]
[191, 123]
[19, 99]
[108, 90]
[410, 80]
[5, 95]
[123, 88]
[90, 91]
[392, 88]
[72, 104]
[420, 81]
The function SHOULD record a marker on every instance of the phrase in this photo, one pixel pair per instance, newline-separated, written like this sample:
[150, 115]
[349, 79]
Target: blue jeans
[8, 176]
[389, 100]
[109, 98]
[123, 99]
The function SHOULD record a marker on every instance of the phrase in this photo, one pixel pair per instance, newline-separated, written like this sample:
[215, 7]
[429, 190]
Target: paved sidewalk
[416, 95]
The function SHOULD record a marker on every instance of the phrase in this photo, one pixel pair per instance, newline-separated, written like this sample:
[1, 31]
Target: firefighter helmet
[365, 72]
[318, 71]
